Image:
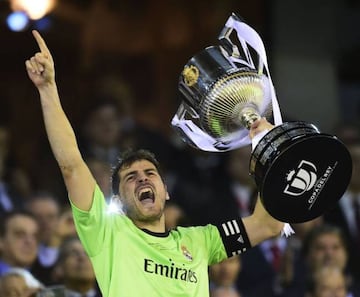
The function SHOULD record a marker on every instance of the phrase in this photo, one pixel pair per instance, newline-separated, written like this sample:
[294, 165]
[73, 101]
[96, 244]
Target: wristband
[234, 237]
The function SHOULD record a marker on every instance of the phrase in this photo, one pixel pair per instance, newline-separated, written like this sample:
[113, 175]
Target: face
[225, 272]
[328, 250]
[19, 246]
[142, 191]
[76, 264]
[103, 126]
[46, 212]
[330, 282]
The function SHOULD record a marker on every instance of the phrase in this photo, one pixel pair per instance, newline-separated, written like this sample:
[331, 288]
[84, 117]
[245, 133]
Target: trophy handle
[225, 38]
[248, 36]
[226, 43]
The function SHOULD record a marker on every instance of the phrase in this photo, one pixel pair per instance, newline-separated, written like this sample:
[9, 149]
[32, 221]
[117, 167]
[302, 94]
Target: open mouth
[146, 195]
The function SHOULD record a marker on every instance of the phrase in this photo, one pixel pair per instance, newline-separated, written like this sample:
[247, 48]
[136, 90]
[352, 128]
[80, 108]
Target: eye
[151, 173]
[130, 177]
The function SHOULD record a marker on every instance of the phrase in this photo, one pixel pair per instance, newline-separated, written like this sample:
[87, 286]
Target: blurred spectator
[236, 191]
[302, 229]
[14, 183]
[109, 125]
[19, 233]
[102, 131]
[293, 256]
[102, 172]
[346, 214]
[55, 224]
[223, 277]
[264, 268]
[324, 246]
[196, 170]
[327, 281]
[18, 282]
[174, 216]
[74, 270]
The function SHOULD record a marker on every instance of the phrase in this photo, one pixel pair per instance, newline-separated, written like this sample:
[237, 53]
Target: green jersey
[132, 262]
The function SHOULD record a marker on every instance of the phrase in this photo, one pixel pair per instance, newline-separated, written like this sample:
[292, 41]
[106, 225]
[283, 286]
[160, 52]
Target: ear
[167, 197]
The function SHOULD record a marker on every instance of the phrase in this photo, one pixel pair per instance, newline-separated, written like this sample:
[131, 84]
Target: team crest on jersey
[186, 253]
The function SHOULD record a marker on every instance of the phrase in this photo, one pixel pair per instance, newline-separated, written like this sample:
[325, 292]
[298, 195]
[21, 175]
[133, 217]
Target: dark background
[312, 47]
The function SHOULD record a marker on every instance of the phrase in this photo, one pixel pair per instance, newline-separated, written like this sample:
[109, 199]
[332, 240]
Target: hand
[40, 67]
[259, 126]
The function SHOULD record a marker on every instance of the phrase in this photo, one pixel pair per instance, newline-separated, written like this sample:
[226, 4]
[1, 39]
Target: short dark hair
[64, 247]
[9, 215]
[320, 230]
[129, 157]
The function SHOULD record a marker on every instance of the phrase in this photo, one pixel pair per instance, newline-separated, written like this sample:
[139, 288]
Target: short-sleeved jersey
[132, 262]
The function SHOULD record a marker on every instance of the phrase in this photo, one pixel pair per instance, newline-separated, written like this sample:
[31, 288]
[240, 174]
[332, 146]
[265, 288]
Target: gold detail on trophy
[191, 75]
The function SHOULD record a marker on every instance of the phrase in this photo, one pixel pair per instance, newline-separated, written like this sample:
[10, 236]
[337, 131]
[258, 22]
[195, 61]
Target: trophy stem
[248, 116]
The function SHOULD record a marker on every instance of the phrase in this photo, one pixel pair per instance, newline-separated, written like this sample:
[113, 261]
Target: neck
[157, 226]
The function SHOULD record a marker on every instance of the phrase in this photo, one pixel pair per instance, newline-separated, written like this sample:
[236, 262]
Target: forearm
[60, 133]
[78, 179]
[261, 225]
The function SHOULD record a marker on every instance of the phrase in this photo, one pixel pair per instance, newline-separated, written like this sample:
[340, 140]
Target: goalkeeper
[132, 253]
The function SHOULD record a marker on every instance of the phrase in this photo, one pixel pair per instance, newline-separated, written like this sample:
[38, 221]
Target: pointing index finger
[41, 43]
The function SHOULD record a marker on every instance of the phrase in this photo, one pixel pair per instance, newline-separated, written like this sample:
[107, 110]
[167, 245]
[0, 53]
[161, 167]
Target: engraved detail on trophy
[191, 75]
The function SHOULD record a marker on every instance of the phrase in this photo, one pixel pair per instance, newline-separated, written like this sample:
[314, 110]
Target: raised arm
[78, 179]
[261, 225]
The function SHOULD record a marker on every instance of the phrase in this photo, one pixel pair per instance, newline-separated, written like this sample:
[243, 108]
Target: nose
[30, 239]
[142, 177]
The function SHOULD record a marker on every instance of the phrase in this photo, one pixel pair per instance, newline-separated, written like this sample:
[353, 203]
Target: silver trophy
[300, 172]
[224, 89]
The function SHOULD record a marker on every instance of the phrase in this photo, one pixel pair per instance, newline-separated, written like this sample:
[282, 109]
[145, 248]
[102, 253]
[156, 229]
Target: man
[346, 214]
[18, 241]
[74, 269]
[324, 246]
[223, 277]
[134, 254]
[55, 225]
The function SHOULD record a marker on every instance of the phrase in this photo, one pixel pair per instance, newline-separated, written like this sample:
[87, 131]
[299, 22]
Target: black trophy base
[300, 172]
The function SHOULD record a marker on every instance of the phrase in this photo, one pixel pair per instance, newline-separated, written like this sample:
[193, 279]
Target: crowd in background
[38, 242]
[39, 248]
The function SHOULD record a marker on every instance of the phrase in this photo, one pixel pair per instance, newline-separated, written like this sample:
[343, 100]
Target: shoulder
[195, 230]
